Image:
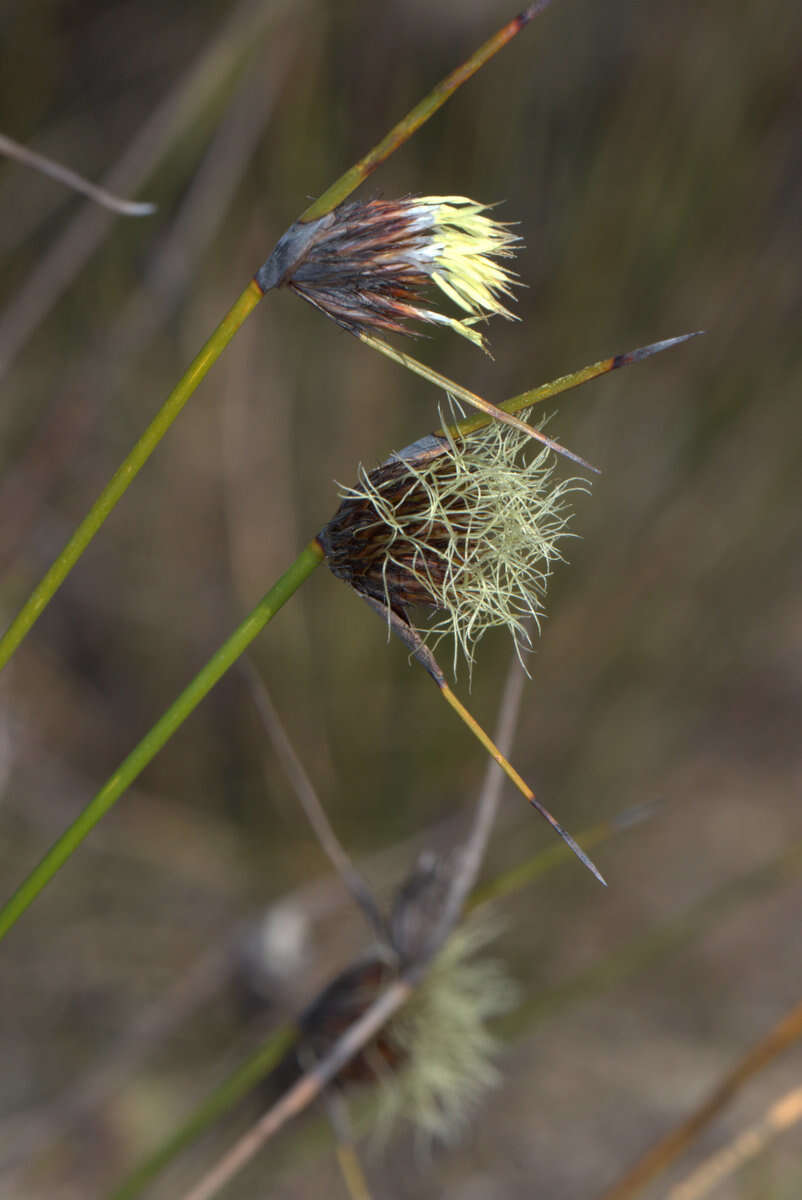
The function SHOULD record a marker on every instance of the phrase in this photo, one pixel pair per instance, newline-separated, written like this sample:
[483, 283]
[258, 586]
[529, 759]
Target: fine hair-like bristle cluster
[470, 533]
[446, 1049]
[369, 265]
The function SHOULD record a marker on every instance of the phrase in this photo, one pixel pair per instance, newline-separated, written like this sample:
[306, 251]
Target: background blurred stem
[658, 1157]
[159, 734]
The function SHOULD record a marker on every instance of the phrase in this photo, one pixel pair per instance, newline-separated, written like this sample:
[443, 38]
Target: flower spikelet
[369, 265]
[446, 1049]
[469, 532]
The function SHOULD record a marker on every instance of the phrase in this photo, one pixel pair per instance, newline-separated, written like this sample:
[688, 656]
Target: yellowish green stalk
[421, 113]
[490, 411]
[508, 769]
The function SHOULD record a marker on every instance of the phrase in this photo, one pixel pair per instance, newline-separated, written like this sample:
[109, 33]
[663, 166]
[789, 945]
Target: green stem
[224, 1097]
[159, 734]
[426, 108]
[491, 412]
[52, 581]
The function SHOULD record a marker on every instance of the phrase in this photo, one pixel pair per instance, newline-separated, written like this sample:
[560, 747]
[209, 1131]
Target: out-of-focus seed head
[470, 533]
[369, 265]
[446, 1050]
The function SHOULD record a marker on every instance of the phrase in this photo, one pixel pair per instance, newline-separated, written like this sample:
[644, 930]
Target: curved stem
[125, 475]
[159, 734]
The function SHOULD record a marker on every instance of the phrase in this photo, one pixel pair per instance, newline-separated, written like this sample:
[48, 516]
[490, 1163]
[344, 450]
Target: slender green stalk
[159, 734]
[52, 581]
[574, 379]
[493, 412]
[125, 475]
[421, 113]
[490, 411]
[223, 1098]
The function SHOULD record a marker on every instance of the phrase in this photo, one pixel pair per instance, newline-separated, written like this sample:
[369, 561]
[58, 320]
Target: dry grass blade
[310, 802]
[71, 179]
[784, 1034]
[94, 379]
[307, 1089]
[249, 21]
[781, 1116]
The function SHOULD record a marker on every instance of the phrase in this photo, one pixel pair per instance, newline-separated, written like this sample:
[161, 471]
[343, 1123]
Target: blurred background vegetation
[649, 154]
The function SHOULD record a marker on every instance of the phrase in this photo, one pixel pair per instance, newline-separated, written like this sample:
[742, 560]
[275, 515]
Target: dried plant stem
[522, 786]
[351, 1171]
[238, 38]
[784, 1034]
[516, 878]
[400, 133]
[222, 335]
[95, 378]
[780, 1116]
[474, 850]
[71, 179]
[301, 1095]
[160, 733]
[311, 804]
[347, 1158]
[295, 575]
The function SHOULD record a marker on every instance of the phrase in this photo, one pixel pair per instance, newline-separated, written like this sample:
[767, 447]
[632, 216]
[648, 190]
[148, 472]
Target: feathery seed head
[368, 265]
[446, 1051]
[469, 530]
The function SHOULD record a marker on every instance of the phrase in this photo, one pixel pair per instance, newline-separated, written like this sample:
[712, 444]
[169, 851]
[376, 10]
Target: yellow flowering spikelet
[470, 532]
[369, 265]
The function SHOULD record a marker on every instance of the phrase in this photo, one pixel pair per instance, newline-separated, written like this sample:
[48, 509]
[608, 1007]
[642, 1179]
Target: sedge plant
[240, 310]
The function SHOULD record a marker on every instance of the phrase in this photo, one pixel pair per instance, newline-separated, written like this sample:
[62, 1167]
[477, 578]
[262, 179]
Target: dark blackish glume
[358, 543]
